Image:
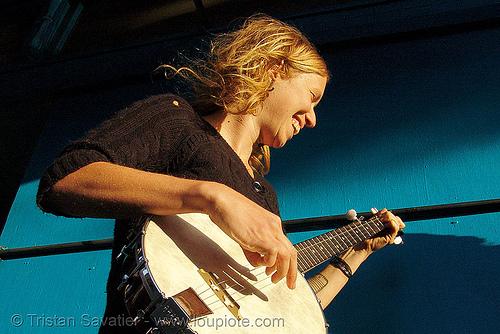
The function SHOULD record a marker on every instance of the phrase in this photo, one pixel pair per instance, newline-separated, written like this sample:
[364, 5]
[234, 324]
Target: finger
[287, 265]
[398, 227]
[398, 223]
[282, 268]
[392, 229]
[254, 258]
[402, 225]
[269, 259]
[291, 276]
[391, 221]
[270, 270]
[392, 225]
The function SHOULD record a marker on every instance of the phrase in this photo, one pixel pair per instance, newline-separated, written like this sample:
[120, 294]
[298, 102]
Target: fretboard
[317, 250]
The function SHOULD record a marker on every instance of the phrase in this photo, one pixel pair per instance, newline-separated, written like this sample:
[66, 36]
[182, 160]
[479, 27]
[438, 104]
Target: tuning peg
[352, 215]
[374, 211]
[398, 240]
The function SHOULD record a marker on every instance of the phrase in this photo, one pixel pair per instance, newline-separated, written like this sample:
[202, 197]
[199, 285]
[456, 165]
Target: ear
[276, 71]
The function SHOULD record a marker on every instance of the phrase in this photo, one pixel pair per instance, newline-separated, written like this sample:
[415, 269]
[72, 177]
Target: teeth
[296, 126]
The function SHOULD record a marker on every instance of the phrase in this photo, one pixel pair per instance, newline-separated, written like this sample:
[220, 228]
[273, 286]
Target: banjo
[187, 276]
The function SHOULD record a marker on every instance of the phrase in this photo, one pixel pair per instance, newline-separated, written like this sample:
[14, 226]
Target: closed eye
[315, 98]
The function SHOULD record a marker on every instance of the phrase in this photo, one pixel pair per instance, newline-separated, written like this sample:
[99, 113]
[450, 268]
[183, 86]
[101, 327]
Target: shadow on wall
[430, 284]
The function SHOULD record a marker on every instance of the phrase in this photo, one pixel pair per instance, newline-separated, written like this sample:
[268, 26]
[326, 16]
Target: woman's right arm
[106, 190]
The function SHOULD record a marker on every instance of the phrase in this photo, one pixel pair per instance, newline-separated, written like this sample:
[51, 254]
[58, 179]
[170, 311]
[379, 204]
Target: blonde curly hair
[235, 75]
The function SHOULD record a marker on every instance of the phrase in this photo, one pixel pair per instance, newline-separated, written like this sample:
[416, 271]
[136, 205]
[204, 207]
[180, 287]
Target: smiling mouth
[296, 126]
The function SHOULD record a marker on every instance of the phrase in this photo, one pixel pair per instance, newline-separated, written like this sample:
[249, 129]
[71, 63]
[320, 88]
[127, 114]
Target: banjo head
[176, 247]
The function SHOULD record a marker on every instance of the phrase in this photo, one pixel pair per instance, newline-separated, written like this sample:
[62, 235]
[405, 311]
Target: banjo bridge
[221, 293]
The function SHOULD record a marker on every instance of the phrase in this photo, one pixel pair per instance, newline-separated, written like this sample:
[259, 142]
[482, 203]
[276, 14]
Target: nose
[310, 118]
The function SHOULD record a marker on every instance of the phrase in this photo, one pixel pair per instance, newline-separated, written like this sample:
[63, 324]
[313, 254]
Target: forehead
[310, 80]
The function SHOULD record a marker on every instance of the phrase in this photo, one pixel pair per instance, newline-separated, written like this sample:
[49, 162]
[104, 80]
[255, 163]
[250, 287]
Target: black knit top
[161, 134]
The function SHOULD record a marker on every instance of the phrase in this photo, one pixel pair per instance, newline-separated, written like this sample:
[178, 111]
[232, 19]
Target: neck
[317, 250]
[238, 131]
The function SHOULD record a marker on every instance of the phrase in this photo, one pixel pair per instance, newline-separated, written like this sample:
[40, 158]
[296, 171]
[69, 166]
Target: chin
[280, 140]
[279, 144]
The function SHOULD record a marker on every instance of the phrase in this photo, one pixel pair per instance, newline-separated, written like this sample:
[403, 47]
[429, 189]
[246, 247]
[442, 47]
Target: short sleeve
[144, 136]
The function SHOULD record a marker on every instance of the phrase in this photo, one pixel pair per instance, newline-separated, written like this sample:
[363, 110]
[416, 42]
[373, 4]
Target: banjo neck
[314, 251]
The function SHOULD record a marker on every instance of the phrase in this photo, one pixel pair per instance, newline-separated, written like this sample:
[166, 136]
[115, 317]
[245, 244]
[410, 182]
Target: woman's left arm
[328, 283]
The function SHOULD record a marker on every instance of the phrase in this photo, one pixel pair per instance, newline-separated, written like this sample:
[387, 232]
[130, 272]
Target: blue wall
[402, 124]
[408, 124]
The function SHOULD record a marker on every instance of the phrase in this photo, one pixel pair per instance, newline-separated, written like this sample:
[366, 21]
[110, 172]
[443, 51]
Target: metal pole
[297, 225]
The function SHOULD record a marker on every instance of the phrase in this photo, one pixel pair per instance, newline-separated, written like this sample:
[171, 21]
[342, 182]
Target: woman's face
[290, 107]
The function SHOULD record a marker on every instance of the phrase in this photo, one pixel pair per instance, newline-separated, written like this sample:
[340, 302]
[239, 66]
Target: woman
[258, 88]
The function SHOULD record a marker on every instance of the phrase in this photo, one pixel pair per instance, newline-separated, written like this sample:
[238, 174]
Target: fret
[335, 242]
[300, 260]
[300, 263]
[313, 247]
[363, 231]
[340, 238]
[306, 258]
[354, 234]
[321, 243]
[307, 243]
[329, 246]
[378, 224]
[347, 236]
[314, 250]
[371, 228]
[359, 233]
[334, 245]
[366, 236]
[350, 236]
